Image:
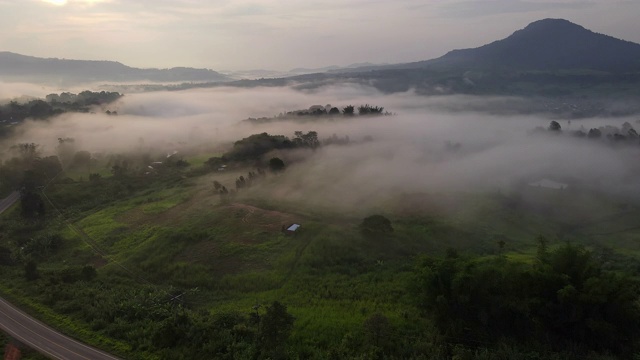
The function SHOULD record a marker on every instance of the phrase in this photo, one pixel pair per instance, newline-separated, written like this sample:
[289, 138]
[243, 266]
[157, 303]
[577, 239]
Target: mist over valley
[482, 204]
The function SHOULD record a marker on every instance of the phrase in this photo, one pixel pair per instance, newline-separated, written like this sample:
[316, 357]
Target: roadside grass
[68, 325]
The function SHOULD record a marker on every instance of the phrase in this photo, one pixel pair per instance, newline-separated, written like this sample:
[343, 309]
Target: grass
[82, 173]
[70, 327]
[199, 160]
[231, 255]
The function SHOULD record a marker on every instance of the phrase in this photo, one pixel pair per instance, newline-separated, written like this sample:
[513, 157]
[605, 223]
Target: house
[291, 229]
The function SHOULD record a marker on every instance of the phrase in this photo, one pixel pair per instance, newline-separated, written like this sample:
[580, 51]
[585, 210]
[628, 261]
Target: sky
[284, 34]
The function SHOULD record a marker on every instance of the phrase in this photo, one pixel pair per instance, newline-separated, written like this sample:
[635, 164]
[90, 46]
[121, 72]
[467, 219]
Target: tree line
[16, 111]
[327, 111]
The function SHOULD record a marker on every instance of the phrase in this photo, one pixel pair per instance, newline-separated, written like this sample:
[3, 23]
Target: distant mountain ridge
[553, 44]
[22, 67]
[548, 44]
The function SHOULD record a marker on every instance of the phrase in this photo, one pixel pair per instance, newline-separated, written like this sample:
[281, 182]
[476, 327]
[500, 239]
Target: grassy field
[177, 235]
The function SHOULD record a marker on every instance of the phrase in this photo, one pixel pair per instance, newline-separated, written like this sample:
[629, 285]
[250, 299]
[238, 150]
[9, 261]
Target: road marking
[42, 346]
[46, 346]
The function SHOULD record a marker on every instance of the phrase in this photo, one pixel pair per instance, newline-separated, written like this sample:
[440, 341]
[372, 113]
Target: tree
[95, 178]
[31, 271]
[81, 158]
[377, 329]
[564, 299]
[30, 201]
[594, 133]
[348, 110]
[31, 204]
[89, 273]
[376, 226]
[274, 330]
[276, 164]
[40, 109]
[309, 139]
[369, 110]
[28, 152]
[555, 126]
[48, 167]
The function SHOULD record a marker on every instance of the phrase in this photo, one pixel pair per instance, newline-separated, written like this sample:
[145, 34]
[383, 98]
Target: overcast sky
[284, 34]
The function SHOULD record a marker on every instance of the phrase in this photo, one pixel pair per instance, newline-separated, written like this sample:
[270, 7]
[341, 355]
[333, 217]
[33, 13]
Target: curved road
[8, 201]
[37, 335]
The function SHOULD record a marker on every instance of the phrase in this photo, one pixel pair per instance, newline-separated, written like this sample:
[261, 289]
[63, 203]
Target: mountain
[553, 44]
[546, 45]
[28, 68]
[262, 73]
[550, 58]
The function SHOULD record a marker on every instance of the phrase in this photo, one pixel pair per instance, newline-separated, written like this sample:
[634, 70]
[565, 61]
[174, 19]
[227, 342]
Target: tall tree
[274, 330]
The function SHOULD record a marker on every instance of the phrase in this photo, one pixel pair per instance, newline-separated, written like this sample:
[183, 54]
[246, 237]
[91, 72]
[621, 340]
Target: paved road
[8, 201]
[37, 335]
[44, 339]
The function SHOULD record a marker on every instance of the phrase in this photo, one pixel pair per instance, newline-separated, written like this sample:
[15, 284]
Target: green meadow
[142, 266]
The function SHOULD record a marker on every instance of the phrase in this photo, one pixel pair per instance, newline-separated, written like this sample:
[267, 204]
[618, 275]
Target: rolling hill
[28, 68]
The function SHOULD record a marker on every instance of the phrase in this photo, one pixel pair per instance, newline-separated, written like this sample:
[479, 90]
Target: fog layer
[420, 149]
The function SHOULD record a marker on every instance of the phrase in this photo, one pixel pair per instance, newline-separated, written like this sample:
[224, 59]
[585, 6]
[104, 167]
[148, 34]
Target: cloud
[497, 7]
[69, 2]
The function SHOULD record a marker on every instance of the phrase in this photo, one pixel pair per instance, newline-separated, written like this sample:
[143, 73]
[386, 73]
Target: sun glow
[56, 2]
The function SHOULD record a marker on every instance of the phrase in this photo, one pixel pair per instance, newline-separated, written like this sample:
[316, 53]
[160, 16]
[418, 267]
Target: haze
[281, 35]
[408, 153]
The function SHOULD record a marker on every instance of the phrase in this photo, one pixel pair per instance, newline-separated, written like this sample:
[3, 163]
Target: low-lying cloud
[421, 149]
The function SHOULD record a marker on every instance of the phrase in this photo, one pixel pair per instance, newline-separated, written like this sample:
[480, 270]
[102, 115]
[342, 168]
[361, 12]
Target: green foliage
[309, 139]
[276, 164]
[275, 327]
[40, 247]
[176, 237]
[31, 204]
[564, 300]
[81, 158]
[31, 271]
[254, 146]
[89, 273]
[376, 226]
[378, 330]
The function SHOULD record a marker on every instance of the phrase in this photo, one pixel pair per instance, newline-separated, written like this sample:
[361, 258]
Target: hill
[552, 44]
[548, 45]
[28, 68]
[550, 60]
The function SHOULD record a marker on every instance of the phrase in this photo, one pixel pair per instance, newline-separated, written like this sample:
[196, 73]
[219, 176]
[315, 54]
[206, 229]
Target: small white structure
[293, 227]
[549, 184]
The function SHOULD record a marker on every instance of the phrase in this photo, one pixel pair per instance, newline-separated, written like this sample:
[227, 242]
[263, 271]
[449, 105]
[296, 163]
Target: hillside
[29, 68]
[549, 44]
[147, 265]
[552, 44]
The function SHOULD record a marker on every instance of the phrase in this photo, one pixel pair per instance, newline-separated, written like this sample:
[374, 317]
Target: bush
[376, 226]
[276, 164]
